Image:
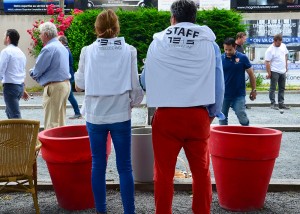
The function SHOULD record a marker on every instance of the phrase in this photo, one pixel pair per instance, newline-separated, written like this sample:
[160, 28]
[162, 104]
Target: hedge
[139, 26]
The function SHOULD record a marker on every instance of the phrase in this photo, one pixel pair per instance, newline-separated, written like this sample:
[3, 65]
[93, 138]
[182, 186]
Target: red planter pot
[243, 159]
[67, 153]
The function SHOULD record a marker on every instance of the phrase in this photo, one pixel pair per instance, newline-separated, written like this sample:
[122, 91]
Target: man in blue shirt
[234, 66]
[52, 71]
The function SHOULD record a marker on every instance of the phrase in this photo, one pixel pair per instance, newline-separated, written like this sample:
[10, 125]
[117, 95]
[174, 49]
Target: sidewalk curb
[40, 106]
[40, 93]
[276, 185]
[268, 105]
[283, 128]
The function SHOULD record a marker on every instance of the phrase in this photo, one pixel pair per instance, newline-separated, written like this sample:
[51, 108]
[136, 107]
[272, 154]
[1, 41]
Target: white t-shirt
[276, 57]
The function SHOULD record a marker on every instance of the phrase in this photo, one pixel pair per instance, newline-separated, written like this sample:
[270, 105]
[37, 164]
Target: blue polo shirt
[234, 74]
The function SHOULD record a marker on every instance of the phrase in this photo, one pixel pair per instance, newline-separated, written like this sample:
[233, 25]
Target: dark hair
[63, 39]
[277, 37]
[229, 41]
[14, 36]
[240, 35]
[184, 11]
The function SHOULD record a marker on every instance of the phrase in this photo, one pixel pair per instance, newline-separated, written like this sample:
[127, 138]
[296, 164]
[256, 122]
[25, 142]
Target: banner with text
[265, 5]
[201, 4]
[33, 6]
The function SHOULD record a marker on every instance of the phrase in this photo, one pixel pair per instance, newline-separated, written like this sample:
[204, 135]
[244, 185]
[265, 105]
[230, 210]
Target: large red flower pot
[243, 159]
[67, 153]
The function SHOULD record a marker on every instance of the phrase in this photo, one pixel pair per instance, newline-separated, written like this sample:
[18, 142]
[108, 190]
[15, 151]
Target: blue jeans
[73, 102]
[12, 94]
[121, 138]
[238, 106]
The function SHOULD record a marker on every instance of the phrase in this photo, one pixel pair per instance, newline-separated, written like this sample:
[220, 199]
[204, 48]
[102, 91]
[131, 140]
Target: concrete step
[280, 127]
[275, 185]
[268, 104]
[39, 106]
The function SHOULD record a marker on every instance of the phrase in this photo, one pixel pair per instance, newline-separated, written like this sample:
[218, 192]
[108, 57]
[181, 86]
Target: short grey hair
[48, 28]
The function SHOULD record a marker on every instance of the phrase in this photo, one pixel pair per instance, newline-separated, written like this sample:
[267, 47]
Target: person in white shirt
[12, 74]
[108, 74]
[276, 58]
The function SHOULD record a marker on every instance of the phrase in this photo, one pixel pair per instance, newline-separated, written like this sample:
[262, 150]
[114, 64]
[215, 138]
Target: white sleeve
[4, 59]
[268, 54]
[286, 50]
[136, 94]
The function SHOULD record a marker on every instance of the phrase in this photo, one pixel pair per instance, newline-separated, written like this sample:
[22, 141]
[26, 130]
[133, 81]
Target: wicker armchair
[19, 148]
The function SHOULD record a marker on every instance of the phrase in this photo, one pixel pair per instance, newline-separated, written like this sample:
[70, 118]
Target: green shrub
[224, 23]
[139, 26]
[259, 81]
[35, 89]
[81, 33]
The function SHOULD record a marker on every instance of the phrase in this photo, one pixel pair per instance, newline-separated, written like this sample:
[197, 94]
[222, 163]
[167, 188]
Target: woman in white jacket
[107, 72]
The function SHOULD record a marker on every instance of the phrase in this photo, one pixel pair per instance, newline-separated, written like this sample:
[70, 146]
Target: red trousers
[173, 129]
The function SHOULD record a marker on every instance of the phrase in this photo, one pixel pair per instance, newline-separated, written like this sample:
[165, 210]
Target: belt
[49, 83]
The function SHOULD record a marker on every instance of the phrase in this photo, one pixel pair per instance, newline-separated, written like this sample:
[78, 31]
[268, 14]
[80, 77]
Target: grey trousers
[280, 79]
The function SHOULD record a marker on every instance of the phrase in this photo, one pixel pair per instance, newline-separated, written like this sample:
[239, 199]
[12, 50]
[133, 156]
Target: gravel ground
[287, 166]
[275, 203]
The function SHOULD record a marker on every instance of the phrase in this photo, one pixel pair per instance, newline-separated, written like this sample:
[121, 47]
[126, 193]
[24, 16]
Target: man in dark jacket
[72, 99]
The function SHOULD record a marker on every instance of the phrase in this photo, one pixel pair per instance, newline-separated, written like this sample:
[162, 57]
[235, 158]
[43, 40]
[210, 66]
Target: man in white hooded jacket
[183, 78]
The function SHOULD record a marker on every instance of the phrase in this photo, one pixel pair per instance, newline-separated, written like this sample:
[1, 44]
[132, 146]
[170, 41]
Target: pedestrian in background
[108, 74]
[276, 61]
[51, 70]
[71, 98]
[240, 40]
[188, 93]
[234, 66]
[12, 74]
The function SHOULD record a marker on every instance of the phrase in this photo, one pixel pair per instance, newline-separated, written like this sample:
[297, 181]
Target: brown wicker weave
[19, 148]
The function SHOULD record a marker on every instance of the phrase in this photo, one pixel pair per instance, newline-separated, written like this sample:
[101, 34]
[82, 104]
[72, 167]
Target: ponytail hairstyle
[107, 24]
